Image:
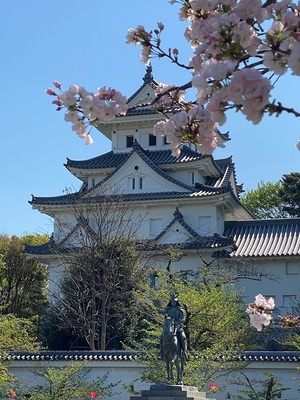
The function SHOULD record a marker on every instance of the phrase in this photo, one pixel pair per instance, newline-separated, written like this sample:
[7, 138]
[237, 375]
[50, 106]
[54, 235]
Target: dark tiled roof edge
[265, 238]
[120, 355]
[255, 222]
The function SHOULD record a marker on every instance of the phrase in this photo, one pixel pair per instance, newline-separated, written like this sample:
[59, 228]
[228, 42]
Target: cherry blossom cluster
[239, 49]
[194, 125]
[290, 321]
[85, 109]
[168, 98]
[260, 311]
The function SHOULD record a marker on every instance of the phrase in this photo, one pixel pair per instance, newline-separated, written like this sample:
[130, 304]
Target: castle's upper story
[141, 169]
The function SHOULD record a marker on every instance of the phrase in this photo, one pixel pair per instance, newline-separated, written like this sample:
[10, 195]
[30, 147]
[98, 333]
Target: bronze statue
[173, 343]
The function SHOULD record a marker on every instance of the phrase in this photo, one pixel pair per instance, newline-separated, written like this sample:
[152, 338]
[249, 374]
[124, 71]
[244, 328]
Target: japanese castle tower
[191, 201]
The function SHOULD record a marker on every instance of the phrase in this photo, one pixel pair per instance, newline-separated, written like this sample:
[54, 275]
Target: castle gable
[137, 174]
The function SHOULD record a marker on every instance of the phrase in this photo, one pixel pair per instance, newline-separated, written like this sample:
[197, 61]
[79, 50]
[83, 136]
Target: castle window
[135, 183]
[153, 280]
[192, 178]
[140, 183]
[131, 183]
[152, 140]
[129, 141]
[288, 302]
[292, 268]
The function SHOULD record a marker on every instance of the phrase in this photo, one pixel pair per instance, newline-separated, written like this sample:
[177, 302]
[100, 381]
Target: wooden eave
[226, 200]
[84, 174]
[107, 127]
[205, 166]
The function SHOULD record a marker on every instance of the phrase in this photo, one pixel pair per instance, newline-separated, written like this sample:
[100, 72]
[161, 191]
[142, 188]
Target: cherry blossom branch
[279, 108]
[232, 54]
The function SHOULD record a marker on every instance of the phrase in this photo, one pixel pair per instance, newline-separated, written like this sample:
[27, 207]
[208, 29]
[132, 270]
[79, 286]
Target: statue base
[171, 392]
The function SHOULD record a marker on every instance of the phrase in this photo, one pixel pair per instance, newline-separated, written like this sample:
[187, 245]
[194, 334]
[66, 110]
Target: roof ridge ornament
[148, 77]
[177, 214]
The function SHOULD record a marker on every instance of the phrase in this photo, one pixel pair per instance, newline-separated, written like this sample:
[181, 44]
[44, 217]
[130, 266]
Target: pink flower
[259, 311]
[13, 394]
[145, 54]
[214, 387]
[135, 36]
[260, 320]
[93, 395]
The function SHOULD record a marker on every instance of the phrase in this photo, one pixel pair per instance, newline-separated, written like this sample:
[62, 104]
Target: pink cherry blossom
[259, 311]
[68, 97]
[294, 58]
[145, 54]
[260, 320]
[216, 69]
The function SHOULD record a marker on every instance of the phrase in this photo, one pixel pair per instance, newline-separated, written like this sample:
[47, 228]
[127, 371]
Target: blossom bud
[57, 84]
[57, 102]
[161, 26]
[50, 92]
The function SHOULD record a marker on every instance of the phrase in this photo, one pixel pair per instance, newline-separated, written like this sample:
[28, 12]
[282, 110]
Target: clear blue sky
[84, 43]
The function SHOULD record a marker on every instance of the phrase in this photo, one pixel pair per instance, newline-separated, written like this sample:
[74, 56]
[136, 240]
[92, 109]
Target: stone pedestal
[171, 392]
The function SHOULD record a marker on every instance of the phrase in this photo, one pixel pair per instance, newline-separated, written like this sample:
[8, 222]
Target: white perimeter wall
[126, 371]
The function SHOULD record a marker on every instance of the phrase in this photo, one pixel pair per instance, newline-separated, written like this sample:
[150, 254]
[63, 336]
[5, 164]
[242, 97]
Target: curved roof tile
[64, 200]
[113, 160]
[265, 238]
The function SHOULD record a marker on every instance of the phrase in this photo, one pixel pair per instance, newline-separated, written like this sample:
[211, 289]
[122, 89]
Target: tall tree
[266, 200]
[290, 193]
[15, 334]
[22, 281]
[102, 270]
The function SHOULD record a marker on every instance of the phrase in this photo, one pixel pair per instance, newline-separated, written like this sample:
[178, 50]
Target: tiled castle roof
[201, 191]
[154, 159]
[255, 238]
[158, 157]
[265, 238]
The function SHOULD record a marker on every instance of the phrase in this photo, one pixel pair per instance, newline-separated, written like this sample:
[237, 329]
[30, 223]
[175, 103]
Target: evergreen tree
[290, 193]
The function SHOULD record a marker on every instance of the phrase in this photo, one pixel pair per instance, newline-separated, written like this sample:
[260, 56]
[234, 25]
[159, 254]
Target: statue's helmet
[173, 297]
